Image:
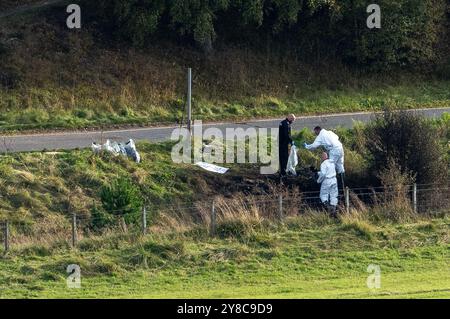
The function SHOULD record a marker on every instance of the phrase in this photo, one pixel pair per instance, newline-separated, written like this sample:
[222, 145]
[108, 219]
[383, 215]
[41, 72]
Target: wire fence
[72, 226]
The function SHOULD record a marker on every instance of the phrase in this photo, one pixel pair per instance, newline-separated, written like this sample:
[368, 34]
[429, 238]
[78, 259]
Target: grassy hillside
[306, 257]
[52, 77]
[43, 184]
[39, 184]
[253, 254]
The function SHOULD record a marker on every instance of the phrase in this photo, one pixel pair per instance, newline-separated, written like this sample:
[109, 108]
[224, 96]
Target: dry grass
[241, 215]
[238, 217]
[44, 232]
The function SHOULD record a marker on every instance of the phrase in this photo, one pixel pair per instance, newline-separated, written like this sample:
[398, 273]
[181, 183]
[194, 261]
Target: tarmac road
[83, 139]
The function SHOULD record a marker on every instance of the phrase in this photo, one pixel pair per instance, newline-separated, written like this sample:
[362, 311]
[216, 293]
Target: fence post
[144, 220]
[414, 195]
[280, 206]
[74, 230]
[6, 236]
[347, 199]
[213, 219]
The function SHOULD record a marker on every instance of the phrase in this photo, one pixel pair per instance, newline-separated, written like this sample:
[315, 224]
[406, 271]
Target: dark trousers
[283, 153]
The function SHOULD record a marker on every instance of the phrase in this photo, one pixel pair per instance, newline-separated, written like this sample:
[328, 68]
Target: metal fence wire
[419, 198]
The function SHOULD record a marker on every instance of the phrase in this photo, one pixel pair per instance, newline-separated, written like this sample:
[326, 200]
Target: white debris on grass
[212, 168]
[127, 149]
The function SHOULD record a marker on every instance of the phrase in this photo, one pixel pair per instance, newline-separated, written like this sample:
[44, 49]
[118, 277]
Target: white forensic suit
[328, 189]
[330, 141]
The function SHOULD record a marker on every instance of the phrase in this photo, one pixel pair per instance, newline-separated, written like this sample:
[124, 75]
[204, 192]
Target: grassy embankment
[52, 77]
[252, 256]
[43, 184]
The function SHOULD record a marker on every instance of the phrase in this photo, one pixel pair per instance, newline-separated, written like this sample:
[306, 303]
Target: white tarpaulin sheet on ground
[292, 161]
[212, 168]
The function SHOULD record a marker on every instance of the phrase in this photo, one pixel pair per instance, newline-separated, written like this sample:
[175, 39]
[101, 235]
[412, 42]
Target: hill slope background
[51, 76]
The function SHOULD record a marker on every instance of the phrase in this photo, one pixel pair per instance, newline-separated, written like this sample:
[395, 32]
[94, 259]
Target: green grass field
[323, 259]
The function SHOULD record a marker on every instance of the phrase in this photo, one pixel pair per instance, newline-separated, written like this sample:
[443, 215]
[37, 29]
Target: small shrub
[100, 219]
[122, 199]
[410, 142]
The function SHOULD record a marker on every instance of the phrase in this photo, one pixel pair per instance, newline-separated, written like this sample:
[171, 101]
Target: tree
[410, 30]
[409, 34]
[122, 199]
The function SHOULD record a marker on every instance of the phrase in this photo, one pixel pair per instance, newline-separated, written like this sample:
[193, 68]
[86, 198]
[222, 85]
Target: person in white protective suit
[330, 141]
[328, 189]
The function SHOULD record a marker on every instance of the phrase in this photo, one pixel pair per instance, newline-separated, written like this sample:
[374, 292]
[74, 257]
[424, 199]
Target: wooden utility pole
[189, 99]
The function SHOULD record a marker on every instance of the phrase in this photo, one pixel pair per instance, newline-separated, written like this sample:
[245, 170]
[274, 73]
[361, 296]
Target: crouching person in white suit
[329, 188]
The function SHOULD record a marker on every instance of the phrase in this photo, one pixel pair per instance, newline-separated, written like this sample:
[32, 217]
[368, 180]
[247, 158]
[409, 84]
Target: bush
[122, 199]
[410, 142]
[100, 219]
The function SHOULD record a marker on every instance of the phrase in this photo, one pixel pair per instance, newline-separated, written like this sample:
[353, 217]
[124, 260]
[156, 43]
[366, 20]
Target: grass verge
[296, 259]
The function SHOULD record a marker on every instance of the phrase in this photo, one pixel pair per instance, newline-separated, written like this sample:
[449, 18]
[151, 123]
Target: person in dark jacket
[284, 142]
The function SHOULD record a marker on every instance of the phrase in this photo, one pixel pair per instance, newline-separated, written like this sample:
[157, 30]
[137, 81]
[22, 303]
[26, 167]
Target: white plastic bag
[96, 148]
[129, 149]
[292, 161]
[132, 152]
[112, 148]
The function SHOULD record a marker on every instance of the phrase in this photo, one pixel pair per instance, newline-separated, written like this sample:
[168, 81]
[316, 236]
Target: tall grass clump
[395, 204]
